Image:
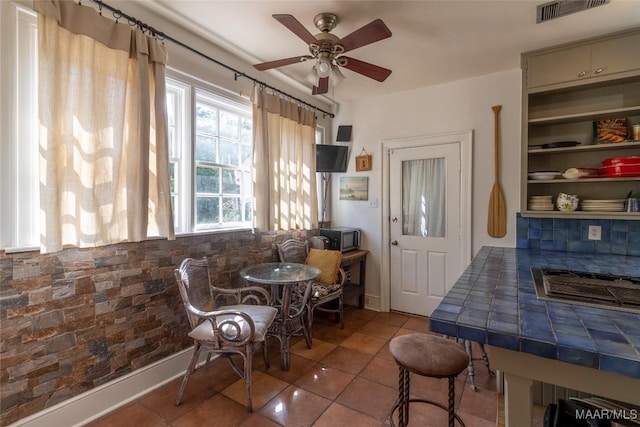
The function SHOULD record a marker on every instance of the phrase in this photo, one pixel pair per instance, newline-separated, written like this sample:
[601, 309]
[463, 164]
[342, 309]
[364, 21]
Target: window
[210, 138]
[19, 179]
[178, 134]
[211, 157]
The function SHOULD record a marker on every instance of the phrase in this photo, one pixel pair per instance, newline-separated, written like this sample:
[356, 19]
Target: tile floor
[347, 378]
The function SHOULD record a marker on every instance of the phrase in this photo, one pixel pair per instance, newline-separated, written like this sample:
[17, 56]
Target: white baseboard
[103, 399]
[372, 302]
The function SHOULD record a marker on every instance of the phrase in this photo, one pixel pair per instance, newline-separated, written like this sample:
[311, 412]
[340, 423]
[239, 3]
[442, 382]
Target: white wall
[457, 106]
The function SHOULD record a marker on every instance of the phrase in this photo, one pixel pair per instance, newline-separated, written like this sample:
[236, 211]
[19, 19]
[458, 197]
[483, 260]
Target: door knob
[394, 219]
[394, 242]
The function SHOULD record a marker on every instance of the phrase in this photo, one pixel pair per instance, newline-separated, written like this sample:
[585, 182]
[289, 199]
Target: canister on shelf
[636, 132]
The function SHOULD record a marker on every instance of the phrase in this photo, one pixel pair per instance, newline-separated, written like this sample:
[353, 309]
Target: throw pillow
[328, 262]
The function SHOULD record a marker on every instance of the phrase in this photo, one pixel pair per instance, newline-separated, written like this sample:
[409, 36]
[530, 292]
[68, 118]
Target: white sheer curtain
[104, 169]
[284, 164]
[423, 198]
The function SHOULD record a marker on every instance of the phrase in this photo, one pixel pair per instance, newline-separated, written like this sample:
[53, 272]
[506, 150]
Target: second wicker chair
[322, 292]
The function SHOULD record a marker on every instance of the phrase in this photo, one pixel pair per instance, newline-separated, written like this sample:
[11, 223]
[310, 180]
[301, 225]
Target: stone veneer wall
[78, 318]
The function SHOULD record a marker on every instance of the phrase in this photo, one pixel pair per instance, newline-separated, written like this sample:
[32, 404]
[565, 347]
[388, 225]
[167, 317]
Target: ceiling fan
[327, 50]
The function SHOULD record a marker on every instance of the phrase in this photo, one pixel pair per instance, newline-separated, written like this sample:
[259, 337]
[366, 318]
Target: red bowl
[620, 170]
[629, 160]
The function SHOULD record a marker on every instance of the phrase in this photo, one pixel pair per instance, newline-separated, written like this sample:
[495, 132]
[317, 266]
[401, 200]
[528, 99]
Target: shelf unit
[565, 111]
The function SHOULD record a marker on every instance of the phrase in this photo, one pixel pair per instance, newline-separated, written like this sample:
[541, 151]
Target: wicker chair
[294, 250]
[224, 322]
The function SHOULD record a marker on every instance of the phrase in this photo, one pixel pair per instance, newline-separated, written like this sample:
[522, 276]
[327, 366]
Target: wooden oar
[497, 221]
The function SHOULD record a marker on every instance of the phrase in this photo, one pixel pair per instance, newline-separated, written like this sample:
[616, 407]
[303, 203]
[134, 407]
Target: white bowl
[544, 175]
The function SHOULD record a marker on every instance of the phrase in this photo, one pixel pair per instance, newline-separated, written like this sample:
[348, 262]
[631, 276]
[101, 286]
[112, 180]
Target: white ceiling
[433, 41]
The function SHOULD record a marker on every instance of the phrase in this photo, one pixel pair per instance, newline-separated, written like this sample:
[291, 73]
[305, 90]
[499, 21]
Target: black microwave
[342, 239]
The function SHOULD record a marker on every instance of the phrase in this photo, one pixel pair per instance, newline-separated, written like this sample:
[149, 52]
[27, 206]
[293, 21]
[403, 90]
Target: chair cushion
[321, 290]
[429, 355]
[262, 316]
[328, 262]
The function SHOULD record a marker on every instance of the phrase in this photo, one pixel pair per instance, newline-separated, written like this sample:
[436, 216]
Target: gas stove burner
[595, 289]
[585, 274]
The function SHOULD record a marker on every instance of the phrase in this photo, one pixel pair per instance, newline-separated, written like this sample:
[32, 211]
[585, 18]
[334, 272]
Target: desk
[290, 299]
[349, 258]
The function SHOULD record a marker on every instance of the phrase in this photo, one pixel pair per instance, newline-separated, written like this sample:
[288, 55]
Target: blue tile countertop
[494, 302]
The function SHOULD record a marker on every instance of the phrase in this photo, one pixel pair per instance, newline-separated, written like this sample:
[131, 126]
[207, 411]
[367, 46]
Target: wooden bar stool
[430, 356]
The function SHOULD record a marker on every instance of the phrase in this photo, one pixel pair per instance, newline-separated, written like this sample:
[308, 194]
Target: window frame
[196, 90]
[179, 154]
[19, 174]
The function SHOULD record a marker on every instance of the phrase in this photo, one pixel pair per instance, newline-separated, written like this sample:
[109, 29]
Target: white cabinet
[563, 107]
[579, 63]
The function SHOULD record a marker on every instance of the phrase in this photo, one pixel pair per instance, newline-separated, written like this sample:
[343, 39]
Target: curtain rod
[162, 36]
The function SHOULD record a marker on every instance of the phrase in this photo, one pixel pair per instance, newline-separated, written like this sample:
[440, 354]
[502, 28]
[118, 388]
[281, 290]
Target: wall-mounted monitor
[332, 158]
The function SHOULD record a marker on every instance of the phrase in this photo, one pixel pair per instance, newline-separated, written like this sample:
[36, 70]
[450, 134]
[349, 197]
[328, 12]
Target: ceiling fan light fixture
[312, 76]
[323, 68]
[336, 75]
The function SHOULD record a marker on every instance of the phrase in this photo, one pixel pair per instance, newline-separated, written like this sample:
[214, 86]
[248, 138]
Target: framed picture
[354, 188]
[363, 163]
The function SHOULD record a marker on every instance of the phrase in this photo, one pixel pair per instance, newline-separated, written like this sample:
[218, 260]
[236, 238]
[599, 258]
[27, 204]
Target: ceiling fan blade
[323, 86]
[370, 33]
[280, 62]
[372, 71]
[296, 27]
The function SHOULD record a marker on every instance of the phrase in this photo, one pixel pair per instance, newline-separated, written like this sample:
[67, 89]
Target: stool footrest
[431, 402]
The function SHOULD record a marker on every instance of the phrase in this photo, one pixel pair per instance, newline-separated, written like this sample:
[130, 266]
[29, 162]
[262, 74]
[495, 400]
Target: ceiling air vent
[556, 9]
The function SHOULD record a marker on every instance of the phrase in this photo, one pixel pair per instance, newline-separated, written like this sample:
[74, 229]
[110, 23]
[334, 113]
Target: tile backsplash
[619, 237]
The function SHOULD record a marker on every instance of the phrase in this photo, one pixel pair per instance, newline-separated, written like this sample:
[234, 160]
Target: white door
[424, 228]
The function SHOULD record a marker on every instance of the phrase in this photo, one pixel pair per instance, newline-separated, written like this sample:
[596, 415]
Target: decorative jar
[567, 202]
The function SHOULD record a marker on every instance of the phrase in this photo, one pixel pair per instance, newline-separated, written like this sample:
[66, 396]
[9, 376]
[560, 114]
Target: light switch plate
[595, 232]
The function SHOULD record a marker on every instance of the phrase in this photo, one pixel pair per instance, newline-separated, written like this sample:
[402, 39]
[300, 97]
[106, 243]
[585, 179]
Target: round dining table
[290, 287]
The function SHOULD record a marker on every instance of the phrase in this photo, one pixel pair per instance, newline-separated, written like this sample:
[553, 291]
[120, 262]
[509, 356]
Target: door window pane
[423, 198]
